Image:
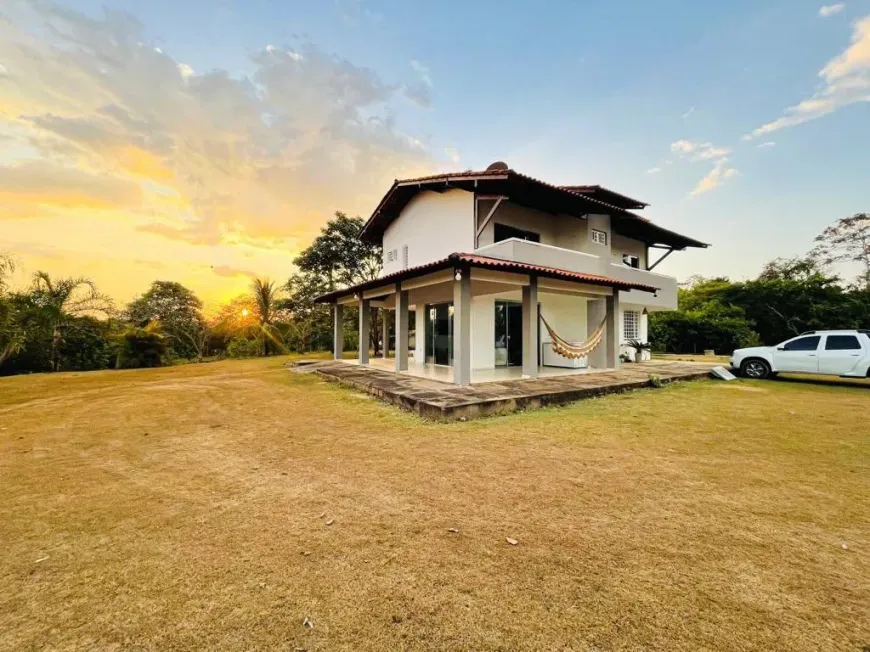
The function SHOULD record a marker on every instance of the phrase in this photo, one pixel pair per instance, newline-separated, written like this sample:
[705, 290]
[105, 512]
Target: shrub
[139, 347]
[241, 347]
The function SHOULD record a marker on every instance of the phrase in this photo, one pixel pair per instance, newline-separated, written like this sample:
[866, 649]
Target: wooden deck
[446, 402]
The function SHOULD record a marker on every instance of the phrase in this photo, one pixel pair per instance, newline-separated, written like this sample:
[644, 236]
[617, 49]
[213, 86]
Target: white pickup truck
[834, 353]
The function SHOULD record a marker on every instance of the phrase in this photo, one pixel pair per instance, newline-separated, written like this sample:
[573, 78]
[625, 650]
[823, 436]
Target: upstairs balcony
[534, 253]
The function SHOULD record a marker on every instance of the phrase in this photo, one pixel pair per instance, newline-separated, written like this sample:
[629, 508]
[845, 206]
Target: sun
[244, 312]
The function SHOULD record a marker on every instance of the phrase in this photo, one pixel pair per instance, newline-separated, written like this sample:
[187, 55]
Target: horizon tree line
[65, 323]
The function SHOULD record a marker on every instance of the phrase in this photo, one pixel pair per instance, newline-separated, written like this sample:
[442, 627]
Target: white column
[337, 331]
[385, 332]
[420, 336]
[611, 334]
[595, 311]
[462, 329]
[364, 330]
[530, 328]
[401, 329]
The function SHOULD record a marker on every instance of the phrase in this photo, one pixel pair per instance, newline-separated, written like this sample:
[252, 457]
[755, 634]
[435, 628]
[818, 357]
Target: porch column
[420, 336]
[462, 328]
[401, 328]
[385, 332]
[596, 309]
[364, 330]
[530, 328]
[611, 330]
[337, 331]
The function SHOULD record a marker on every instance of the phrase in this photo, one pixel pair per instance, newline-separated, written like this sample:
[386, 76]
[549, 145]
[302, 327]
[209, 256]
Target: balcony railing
[534, 253]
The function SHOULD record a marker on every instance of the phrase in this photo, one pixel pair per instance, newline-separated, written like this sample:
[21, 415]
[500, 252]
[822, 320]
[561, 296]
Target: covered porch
[477, 319]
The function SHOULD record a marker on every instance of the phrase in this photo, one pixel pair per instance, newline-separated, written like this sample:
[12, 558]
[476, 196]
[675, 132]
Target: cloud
[453, 154]
[420, 92]
[698, 151]
[254, 160]
[845, 81]
[655, 170]
[231, 272]
[767, 145]
[688, 113]
[44, 184]
[720, 173]
[830, 10]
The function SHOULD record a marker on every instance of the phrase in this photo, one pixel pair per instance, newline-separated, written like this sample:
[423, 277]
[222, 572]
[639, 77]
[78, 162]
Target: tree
[11, 333]
[7, 267]
[338, 255]
[847, 240]
[266, 302]
[312, 321]
[336, 258]
[791, 269]
[179, 312]
[61, 299]
[137, 347]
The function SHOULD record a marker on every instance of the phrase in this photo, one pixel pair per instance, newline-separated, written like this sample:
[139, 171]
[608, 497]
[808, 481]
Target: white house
[477, 264]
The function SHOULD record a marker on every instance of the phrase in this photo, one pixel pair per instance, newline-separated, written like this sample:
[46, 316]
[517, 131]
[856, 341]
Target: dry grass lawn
[217, 506]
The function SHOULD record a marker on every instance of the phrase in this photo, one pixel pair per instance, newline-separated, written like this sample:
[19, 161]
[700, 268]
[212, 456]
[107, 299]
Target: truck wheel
[755, 368]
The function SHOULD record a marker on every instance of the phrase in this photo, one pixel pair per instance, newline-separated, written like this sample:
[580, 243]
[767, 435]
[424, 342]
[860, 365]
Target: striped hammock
[574, 350]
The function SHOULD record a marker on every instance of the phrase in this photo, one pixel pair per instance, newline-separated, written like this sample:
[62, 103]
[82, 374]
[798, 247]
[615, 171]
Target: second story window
[504, 232]
[599, 237]
[392, 255]
[631, 261]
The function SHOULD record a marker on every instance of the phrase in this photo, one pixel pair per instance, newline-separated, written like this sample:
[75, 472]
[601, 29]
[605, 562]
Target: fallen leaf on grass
[330, 521]
[513, 542]
[453, 530]
[308, 623]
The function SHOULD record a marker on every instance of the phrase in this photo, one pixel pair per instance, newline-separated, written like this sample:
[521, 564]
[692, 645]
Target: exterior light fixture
[458, 275]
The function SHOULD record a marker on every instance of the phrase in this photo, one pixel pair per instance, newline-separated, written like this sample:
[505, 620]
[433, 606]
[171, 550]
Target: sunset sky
[208, 141]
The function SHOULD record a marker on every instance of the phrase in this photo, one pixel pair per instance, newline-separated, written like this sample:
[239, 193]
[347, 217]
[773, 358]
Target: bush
[694, 331]
[241, 347]
[139, 347]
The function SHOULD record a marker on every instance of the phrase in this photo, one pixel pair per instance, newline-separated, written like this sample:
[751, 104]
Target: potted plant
[639, 347]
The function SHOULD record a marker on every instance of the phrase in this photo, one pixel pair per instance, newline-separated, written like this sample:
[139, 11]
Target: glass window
[503, 232]
[803, 344]
[842, 343]
[631, 325]
[599, 237]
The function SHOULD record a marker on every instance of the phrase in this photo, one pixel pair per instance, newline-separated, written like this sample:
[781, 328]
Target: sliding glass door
[508, 333]
[439, 334]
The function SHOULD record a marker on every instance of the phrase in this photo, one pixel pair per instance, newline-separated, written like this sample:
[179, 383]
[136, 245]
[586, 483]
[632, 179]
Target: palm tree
[266, 302]
[63, 298]
[7, 266]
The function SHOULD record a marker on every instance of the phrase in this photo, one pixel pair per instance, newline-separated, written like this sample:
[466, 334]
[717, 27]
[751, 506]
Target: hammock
[575, 350]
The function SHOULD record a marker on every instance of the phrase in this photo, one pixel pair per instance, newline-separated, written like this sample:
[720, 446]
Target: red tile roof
[530, 191]
[486, 262]
[608, 195]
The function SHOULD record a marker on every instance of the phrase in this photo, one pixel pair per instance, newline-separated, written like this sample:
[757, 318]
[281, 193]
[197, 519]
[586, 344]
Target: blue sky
[647, 98]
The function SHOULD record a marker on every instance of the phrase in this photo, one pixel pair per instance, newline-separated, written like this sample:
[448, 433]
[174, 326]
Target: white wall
[433, 226]
[566, 314]
[621, 245]
[643, 336]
